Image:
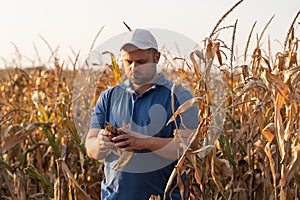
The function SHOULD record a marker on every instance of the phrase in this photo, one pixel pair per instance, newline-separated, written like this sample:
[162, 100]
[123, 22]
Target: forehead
[136, 54]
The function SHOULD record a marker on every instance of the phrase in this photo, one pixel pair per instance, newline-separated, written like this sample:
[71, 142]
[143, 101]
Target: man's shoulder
[177, 89]
[115, 92]
[169, 83]
[119, 86]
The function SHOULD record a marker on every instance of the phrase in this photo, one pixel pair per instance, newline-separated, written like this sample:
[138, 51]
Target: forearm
[172, 148]
[164, 147]
[93, 147]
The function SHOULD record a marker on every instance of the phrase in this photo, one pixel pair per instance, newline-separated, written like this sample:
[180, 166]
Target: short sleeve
[100, 111]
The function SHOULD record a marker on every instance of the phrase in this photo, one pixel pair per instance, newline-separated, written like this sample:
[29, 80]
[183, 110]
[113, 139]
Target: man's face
[140, 66]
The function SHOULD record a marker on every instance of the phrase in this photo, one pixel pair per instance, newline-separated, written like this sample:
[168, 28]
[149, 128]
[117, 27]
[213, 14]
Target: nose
[134, 65]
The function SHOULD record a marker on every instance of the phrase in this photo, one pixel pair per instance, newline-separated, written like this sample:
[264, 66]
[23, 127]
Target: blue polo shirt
[146, 173]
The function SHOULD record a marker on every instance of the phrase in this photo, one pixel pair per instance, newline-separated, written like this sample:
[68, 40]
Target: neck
[139, 89]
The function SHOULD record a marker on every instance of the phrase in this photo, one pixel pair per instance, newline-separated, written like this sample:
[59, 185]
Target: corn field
[249, 151]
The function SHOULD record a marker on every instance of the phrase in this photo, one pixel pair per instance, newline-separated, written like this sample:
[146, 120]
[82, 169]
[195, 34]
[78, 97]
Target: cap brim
[133, 45]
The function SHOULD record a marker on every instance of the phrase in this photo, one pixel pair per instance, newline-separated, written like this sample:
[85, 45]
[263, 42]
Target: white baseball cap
[140, 39]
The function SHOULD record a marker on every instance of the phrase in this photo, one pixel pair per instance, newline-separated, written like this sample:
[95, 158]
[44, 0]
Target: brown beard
[143, 80]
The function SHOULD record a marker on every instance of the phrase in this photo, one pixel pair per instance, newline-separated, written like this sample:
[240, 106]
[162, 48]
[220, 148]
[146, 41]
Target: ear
[157, 57]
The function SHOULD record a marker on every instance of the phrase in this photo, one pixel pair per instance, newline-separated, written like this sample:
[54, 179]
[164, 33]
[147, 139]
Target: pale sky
[74, 23]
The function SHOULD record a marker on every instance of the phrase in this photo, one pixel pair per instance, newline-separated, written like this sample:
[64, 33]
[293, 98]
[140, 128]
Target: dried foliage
[256, 155]
[248, 136]
[42, 153]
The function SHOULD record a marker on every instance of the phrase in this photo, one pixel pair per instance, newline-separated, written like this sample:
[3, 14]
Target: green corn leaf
[227, 148]
[51, 139]
[23, 155]
[44, 117]
[48, 186]
[4, 165]
[71, 127]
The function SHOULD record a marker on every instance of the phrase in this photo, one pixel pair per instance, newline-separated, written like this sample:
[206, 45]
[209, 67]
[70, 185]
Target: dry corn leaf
[218, 52]
[80, 193]
[260, 118]
[196, 66]
[13, 141]
[214, 177]
[268, 132]
[185, 106]
[279, 129]
[282, 88]
[20, 136]
[114, 67]
[181, 160]
[213, 49]
[154, 197]
[291, 168]
[180, 183]
[210, 50]
[183, 74]
[271, 161]
[288, 73]
[290, 118]
[5, 103]
[20, 183]
[256, 58]
[200, 55]
[244, 128]
[251, 85]
[197, 176]
[124, 157]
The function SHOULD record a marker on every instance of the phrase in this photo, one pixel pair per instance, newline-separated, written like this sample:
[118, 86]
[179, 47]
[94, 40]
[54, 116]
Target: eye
[128, 62]
[141, 62]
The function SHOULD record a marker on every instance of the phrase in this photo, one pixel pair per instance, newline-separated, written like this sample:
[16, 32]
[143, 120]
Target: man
[141, 106]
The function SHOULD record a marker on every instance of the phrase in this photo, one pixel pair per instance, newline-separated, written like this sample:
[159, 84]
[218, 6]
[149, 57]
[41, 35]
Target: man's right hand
[97, 145]
[104, 141]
